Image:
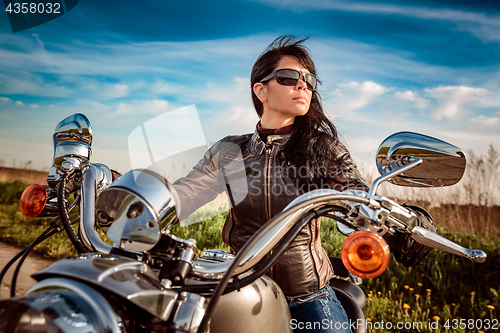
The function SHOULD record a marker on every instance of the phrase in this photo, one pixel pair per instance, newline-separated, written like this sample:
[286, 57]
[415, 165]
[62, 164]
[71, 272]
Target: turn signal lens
[33, 200]
[365, 254]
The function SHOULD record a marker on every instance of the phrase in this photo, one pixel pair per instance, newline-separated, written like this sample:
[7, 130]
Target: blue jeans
[319, 312]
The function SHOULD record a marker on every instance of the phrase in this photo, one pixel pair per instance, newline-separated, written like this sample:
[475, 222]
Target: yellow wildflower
[419, 284]
[436, 318]
[428, 290]
[472, 293]
[417, 296]
[379, 293]
[406, 306]
[407, 286]
[491, 307]
[411, 289]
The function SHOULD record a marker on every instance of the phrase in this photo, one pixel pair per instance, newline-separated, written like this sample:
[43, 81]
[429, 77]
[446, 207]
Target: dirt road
[33, 263]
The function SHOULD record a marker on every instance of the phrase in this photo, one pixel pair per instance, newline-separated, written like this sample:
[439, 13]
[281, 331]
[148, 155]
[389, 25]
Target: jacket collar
[258, 146]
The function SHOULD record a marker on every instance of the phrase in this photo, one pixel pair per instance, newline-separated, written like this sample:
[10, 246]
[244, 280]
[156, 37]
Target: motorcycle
[152, 281]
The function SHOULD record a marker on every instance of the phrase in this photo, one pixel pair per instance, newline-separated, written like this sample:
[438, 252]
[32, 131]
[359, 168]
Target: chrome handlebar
[95, 178]
[376, 213]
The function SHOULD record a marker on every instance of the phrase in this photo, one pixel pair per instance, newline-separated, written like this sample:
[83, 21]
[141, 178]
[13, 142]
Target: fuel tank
[258, 307]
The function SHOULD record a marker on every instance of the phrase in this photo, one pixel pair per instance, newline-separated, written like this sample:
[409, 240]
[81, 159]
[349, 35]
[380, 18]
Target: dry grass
[25, 174]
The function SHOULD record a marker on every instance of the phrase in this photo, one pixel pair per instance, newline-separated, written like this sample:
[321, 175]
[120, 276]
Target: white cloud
[236, 119]
[155, 106]
[234, 92]
[354, 95]
[133, 57]
[420, 103]
[123, 109]
[117, 91]
[19, 103]
[100, 90]
[488, 121]
[452, 98]
[162, 87]
[5, 99]
[32, 85]
[34, 106]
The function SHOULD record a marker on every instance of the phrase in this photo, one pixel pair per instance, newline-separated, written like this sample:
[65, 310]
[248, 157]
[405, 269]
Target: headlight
[58, 305]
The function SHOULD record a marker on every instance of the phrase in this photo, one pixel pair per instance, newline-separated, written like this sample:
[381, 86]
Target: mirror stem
[391, 174]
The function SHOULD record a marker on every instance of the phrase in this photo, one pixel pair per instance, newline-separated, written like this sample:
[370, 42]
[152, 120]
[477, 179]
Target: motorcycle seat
[349, 288]
[354, 312]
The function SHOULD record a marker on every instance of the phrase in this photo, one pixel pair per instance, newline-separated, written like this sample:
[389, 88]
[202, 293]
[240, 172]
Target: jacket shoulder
[231, 141]
[237, 138]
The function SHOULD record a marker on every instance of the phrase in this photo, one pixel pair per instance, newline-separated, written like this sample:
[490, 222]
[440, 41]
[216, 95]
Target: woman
[294, 149]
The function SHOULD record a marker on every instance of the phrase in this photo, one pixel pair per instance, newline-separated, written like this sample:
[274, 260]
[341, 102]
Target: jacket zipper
[267, 181]
[267, 184]
[312, 257]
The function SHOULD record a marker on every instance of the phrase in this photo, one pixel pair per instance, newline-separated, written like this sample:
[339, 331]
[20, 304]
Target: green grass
[445, 286]
[16, 229]
[206, 233]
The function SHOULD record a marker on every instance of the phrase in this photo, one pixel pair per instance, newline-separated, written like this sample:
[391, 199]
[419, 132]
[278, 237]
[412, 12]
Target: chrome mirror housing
[72, 141]
[443, 164]
[132, 209]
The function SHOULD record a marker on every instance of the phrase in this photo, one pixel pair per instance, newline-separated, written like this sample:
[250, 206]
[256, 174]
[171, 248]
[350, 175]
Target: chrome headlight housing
[131, 210]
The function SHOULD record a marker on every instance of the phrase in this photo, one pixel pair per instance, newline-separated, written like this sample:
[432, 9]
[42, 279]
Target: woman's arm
[344, 173]
[201, 185]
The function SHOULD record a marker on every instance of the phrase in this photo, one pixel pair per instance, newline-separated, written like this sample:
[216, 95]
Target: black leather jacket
[260, 184]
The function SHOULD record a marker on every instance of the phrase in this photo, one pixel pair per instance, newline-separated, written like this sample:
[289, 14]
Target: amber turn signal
[33, 200]
[365, 254]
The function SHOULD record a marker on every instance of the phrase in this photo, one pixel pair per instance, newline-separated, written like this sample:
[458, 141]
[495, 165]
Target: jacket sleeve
[344, 173]
[201, 185]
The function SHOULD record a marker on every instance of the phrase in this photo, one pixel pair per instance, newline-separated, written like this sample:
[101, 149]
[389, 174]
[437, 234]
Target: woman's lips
[300, 98]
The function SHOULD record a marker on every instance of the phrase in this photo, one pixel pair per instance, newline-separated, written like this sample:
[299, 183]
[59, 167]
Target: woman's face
[283, 103]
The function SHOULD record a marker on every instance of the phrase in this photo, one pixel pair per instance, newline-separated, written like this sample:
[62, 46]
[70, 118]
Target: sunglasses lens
[287, 77]
[290, 77]
[311, 82]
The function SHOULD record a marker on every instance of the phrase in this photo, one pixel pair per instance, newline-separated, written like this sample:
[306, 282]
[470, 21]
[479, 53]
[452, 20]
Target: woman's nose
[301, 84]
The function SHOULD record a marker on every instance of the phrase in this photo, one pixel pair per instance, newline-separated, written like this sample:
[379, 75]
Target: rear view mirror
[442, 164]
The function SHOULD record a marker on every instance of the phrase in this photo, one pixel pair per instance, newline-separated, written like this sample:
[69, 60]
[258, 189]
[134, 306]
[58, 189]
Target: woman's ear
[260, 90]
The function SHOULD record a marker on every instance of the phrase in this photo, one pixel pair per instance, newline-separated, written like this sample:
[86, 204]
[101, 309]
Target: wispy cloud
[153, 107]
[354, 95]
[32, 85]
[161, 58]
[451, 100]
[481, 25]
[419, 102]
[236, 119]
[488, 121]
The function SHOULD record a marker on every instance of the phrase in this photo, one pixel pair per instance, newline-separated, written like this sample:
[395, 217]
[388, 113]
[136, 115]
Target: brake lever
[429, 238]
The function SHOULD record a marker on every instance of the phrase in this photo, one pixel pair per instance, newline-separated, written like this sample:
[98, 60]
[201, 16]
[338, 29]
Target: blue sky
[428, 66]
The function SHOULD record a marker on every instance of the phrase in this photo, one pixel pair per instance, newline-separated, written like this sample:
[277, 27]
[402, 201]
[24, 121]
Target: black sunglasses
[290, 77]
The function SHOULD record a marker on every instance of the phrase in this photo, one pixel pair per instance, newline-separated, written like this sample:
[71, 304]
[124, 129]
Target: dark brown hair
[313, 134]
